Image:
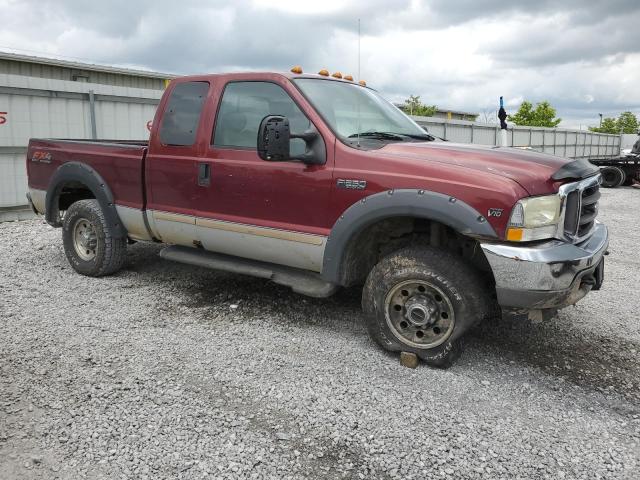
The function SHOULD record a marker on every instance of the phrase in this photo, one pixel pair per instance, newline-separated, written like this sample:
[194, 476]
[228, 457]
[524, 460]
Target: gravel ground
[168, 371]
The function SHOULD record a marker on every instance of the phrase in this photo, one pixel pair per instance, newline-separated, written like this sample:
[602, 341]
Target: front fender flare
[87, 176]
[435, 206]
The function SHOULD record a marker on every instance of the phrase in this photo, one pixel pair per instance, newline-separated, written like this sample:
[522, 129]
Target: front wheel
[89, 243]
[422, 300]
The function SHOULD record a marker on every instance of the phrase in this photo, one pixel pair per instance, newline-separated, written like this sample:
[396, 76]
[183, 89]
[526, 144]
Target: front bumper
[552, 274]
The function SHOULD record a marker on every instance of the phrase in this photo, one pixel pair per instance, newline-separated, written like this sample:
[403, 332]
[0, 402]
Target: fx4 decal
[495, 212]
[42, 157]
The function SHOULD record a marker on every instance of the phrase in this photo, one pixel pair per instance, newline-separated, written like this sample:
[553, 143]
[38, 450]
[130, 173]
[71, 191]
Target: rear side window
[245, 104]
[182, 115]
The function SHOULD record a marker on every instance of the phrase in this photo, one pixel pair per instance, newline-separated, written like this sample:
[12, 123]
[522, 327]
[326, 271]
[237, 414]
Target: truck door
[172, 165]
[269, 211]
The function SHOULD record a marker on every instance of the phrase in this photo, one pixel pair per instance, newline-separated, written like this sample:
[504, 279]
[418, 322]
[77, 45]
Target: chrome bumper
[552, 274]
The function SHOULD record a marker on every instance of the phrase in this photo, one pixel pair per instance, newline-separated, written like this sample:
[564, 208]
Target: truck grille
[581, 208]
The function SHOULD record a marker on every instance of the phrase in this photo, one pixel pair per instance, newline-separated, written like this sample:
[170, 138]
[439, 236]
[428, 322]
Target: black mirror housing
[274, 138]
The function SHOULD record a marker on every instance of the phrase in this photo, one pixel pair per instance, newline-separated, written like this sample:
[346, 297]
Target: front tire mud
[423, 300]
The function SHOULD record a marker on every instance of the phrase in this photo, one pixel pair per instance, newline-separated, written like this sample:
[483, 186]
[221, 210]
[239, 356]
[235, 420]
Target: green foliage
[413, 106]
[543, 115]
[609, 125]
[627, 122]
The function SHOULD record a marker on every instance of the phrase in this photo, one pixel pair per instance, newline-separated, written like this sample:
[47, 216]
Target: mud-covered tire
[105, 254]
[465, 291]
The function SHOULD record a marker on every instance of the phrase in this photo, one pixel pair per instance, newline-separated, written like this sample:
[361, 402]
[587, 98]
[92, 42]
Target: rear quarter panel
[120, 165]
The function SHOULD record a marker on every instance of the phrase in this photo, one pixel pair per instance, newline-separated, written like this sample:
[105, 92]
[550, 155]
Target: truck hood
[537, 173]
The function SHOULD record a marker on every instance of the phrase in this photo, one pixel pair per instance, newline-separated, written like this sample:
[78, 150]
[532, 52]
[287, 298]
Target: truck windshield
[352, 111]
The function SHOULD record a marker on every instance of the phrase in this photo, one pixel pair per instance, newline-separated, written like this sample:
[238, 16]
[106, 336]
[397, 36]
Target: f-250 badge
[351, 184]
[495, 212]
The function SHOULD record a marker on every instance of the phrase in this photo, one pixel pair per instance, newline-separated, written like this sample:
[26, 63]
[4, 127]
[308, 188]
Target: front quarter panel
[491, 195]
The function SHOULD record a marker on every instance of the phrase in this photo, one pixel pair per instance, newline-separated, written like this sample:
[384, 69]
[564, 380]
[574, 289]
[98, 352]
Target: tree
[609, 125]
[413, 106]
[626, 122]
[543, 115]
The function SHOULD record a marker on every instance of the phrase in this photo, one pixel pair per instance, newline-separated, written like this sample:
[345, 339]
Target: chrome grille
[580, 208]
[588, 209]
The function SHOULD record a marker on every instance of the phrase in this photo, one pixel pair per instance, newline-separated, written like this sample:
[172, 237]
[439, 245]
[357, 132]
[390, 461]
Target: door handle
[204, 174]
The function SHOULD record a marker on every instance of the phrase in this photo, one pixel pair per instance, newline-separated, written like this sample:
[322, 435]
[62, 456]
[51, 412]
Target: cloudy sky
[581, 55]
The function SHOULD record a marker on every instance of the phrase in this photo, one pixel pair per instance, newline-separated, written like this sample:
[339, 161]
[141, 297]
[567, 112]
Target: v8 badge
[495, 212]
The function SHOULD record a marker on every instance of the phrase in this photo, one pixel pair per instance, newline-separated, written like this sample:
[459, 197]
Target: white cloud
[583, 57]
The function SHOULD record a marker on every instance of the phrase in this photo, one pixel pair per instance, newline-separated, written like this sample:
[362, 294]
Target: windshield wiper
[417, 136]
[378, 135]
[394, 136]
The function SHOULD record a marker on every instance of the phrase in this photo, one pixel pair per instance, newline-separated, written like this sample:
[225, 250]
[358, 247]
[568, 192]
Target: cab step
[300, 281]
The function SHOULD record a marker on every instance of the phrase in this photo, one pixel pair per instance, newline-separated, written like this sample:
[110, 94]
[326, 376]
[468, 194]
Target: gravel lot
[168, 371]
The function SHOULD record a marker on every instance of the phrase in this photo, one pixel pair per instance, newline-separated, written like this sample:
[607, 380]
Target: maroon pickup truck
[319, 183]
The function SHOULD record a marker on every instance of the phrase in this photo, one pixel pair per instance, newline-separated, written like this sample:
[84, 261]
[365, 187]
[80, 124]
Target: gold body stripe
[260, 231]
[241, 228]
[174, 217]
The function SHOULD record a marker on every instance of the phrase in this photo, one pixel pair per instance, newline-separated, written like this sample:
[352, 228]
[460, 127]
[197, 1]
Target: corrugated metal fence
[555, 141]
[47, 108]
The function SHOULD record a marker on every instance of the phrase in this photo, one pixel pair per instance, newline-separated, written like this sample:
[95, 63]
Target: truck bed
[119, 162]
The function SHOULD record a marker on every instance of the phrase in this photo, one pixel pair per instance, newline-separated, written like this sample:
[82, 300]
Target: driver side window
[245, 104]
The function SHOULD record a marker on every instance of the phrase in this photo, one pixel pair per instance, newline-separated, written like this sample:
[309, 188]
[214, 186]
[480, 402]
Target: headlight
[534, 218]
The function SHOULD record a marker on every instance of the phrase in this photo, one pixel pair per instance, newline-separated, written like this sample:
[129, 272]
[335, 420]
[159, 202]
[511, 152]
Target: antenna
[359, 78]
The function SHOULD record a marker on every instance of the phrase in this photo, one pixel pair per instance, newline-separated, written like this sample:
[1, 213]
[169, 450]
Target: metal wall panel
[13, 179]
[554, 141]
[39, 70]
[50, 108]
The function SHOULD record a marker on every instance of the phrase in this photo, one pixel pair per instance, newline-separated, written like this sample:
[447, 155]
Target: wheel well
[375, 241]
[71, 192]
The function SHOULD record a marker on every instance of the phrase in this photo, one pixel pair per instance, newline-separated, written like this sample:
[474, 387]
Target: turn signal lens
[348, 77]
[324, 72]
[514, 234]
[337, 75]
[363, 83]
[297, 69]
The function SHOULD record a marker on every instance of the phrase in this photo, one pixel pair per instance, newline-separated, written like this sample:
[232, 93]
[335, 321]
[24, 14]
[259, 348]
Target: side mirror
[274, 141]
[273, 138]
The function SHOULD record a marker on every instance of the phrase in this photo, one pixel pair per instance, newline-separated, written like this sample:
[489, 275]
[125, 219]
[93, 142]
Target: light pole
[600, 120]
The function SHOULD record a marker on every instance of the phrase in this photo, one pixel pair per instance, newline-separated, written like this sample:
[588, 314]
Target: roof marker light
[324, 72]
[297, 69]
[348, 77]
[337, 75]
[363, 83]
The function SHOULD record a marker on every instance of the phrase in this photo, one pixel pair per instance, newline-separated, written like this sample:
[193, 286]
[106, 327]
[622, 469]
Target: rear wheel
[630, 177]
[89, 243]
[612, 177]
[422, 300]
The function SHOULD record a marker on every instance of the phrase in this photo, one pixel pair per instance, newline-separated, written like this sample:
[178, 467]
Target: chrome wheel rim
[419, 314]
[85, 239]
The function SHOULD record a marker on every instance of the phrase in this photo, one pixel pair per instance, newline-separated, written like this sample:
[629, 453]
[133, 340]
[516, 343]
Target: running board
[300, 281]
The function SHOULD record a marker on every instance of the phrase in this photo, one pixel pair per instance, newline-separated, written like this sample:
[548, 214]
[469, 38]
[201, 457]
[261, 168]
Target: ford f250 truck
[318, 183]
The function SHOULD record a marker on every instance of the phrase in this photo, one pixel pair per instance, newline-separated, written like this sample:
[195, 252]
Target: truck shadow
[608, 364]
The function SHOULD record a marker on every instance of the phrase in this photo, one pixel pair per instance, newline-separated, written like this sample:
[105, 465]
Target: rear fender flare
[84, 174]
[435, 206]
